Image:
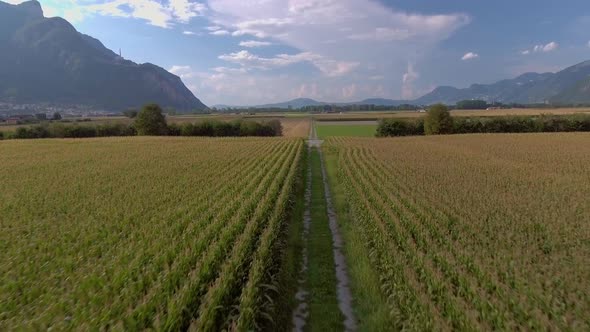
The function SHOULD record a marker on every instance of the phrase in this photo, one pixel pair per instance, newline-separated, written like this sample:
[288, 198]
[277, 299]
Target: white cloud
[181, 71]
[470, 56]
[229, 70]
[219, 33]
[341, 38]
[383, 34]
[188, 33]
[254, 43]
[408, 90]
[158, 13]
[552, 46]
[549, 47]
[588, 44]
[52, 8]
[349, 91]
[251, 61]
[155, 12]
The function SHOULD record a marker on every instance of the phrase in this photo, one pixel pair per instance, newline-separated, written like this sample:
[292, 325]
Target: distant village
[15, 114]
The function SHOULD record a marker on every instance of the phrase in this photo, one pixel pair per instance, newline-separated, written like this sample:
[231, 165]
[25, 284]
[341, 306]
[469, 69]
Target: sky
[249, 52]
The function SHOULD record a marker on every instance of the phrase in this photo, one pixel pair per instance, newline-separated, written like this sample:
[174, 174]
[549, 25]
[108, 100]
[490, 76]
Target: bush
[79, 131]
[205, 128]
[276, 126]
[231, 129]
[438, 121]
[1, 135]
[400, 127]
[506, 124]
[150, 121]
[174, 129]
[31, 132]
[118, 129]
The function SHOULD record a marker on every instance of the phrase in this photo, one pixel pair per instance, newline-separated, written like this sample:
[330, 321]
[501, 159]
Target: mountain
[46, 61]
[294, 104]
[571, 85]
[381, 102]
[304, 102]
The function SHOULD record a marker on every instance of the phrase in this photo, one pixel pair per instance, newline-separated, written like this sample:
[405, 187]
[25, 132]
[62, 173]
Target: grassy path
[324, 313]
[324, 301]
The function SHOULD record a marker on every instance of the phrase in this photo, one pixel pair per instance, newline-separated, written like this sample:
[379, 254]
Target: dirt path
[301, 312]
[344, 296]
[343, 288]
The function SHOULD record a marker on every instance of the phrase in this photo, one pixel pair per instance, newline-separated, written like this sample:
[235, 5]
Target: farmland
[466, 232]
[135, 233]
[346, 128]
[469, 232]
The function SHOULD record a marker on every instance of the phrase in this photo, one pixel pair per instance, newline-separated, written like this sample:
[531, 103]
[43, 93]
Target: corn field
[474, 232]
[142, 233]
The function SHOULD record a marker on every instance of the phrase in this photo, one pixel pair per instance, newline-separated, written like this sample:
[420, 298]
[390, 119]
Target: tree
[438, 121]
[130, 113]
[56, 116]
[150, 121]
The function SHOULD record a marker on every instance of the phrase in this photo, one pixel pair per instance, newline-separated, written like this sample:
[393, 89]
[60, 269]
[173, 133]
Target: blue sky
[258, 51]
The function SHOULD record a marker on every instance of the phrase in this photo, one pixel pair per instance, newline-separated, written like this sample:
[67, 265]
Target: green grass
[369, 303]
[324, 131]
[324, 313]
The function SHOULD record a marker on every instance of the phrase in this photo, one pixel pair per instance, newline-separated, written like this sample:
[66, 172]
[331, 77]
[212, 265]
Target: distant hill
[45, 60]
[571, 85]
[382, 102]
[295, 103]
[305, 102]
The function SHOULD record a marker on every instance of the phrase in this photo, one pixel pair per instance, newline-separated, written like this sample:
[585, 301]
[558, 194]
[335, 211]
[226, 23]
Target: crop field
[374, 116]
[346, 128]
[142, 233]
[469, 232]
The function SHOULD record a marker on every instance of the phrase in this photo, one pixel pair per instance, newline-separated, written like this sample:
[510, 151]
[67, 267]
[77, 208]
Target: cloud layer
[357, 38]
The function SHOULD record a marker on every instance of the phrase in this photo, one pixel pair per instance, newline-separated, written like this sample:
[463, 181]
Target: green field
[466, 232]
[457, 232]
[352, 130]
[142, 233]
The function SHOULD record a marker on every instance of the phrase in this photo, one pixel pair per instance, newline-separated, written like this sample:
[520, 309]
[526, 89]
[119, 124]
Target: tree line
[438, 121]
[150, 121]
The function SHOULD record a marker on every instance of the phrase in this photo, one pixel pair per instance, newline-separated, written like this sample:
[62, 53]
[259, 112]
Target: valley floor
[465, 232]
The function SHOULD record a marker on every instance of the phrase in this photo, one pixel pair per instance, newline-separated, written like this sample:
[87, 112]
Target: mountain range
[46, 61]
[307, 102]
[569, 86]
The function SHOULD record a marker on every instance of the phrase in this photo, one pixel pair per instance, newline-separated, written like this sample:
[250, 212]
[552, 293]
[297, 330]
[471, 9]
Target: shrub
[174, 129]
[400, 127]
[118, 129]
[276, 126]
[31, 132]
[226, 129]
[231, 129]
[79, 131]
[150, 121]
[1, 135]
[438, 121]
